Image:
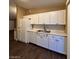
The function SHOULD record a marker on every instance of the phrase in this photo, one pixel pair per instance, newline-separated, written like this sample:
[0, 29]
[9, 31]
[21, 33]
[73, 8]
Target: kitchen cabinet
[61, 17]
[33, 38]
[26, 23]
[56, 43]
[52, 43]
[33, 18]
[59, 43]
[58, 17]
[42, 40]
[43, 18]
[39, 39]
[53, 17]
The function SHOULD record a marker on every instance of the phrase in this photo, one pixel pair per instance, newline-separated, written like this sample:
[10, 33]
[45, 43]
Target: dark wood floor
[19, 50]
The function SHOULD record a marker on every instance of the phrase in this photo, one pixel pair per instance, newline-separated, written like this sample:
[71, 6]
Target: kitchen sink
[43, 31]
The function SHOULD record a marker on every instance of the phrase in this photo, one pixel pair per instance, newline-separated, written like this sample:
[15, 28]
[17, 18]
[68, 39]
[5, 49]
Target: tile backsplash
[50, 27]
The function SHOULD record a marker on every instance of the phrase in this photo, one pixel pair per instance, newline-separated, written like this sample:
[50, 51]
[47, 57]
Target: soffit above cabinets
[28, 4]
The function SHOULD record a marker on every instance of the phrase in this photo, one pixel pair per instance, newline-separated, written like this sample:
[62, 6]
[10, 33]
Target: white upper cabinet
[26, 23]
[43, 18]
[33, 19]
[61, 15]
[58, 17]
[53, 17]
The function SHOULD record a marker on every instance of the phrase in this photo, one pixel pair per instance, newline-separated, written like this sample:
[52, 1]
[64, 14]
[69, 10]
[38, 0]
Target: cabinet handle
[57, 40]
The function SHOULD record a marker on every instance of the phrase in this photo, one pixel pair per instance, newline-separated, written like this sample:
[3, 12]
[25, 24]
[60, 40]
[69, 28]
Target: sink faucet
[44, 27]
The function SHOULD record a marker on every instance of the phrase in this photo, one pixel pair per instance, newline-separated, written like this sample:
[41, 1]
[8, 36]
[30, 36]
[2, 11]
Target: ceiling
[28, 4]
[38, 3]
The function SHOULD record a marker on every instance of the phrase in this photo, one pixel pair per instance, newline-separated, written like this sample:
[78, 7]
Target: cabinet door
[43, 18]
[33, 38]
[59, 41]
[52, 43]
[26, 23]
[53, 17]
[46, 18]
[45, 41]
[34, 19]
[42, 40]
[29, 17]
[39, 39]
[61, 17]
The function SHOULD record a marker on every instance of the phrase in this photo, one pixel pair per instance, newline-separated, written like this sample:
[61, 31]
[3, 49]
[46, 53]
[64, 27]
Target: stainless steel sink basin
[46, 31]
[43, 31]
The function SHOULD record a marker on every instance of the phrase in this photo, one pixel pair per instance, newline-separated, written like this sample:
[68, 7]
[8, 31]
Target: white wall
[11, 25]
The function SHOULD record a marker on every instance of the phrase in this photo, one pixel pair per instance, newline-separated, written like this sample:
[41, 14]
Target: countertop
[53, 32]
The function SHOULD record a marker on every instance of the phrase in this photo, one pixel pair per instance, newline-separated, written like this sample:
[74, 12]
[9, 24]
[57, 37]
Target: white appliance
[23, 25]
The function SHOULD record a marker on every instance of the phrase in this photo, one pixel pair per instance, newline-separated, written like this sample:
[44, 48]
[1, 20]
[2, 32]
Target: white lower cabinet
[51, 42]
[56, 43]
[33, 37]
[43, 18]
[59, 44]
[27, 37]
[42, 40]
